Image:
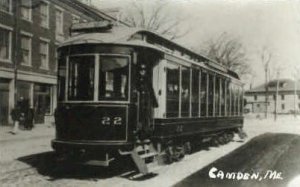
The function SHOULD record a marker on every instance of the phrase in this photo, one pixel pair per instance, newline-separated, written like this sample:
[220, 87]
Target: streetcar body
[123, 86]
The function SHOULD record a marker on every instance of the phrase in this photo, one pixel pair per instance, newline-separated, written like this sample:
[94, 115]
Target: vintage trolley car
[126, 91]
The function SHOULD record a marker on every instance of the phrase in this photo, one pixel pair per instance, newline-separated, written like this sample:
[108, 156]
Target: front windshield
[113, 78]
[81, 78]
[84, 83]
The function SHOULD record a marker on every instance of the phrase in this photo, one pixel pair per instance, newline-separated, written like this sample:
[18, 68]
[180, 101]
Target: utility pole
[16, 48]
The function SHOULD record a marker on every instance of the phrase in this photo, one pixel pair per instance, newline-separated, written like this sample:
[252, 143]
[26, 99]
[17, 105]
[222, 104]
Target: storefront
[38, 89]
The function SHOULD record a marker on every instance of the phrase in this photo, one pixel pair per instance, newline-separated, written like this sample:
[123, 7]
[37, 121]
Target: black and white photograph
[151, 93]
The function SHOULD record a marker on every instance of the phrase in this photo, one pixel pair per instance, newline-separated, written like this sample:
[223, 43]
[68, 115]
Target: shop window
[203, 94]
[23, 90]
[172, 109]
[185, 91]
[195, 92]
[42, 99]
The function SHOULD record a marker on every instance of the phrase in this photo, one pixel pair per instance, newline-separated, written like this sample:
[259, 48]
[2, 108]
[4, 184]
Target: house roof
[93, 11]
[284, 85]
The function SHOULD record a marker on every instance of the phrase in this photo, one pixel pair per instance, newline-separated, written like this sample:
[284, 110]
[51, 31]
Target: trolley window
[185, 91]
[195, 92]
[61, 78]
[211, 88]
[172, 90]
[113, 78]
[81, 78]
[203, 94]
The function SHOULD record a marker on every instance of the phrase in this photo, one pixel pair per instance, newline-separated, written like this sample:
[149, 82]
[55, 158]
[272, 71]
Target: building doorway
[4, 98]
[42, 102]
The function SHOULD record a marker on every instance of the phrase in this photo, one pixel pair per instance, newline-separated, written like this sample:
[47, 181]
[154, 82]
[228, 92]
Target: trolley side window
[217, 95]
[185, 91]
[81, 78]
[172, 71]
[113, 78]
[203, 94]
[61, 78]
[211, 88]
[222, 96]
[195, 92]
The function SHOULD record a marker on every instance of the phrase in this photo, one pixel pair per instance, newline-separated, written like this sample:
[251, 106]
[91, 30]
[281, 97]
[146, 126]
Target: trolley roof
[126, 36]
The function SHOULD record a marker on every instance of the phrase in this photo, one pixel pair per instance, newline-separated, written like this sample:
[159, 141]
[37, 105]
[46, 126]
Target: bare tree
[229, 51]
[154, 16]
[265, 57]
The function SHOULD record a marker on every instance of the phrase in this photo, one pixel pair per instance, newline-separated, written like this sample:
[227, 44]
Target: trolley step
[141, 156]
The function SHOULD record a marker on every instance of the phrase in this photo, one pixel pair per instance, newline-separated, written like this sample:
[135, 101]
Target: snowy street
[27, 158]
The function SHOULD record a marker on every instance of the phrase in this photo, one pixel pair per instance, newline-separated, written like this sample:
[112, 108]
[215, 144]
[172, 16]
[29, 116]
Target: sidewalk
[39, 131]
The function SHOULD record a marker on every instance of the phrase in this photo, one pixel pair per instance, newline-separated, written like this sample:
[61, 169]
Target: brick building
[288, 97]
[30, 31]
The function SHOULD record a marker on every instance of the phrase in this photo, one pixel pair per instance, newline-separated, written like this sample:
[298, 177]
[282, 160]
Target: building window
[44, 55]
[26, 50]
[255, 97]
[282, 106]
[258, 105]
[282, 97]
[5, 5]
[59, 21]
[5, 44]
[26, 10]
[44, 14]
[274, 97]
[299, 106]
[298, 96]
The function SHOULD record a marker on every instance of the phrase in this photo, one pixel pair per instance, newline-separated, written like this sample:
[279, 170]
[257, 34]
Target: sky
[274, 24]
